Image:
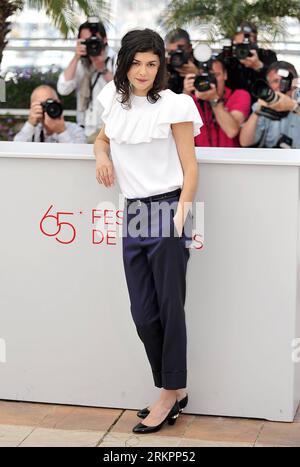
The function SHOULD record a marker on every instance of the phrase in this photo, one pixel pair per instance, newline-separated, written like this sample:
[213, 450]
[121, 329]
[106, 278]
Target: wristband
[215, 102]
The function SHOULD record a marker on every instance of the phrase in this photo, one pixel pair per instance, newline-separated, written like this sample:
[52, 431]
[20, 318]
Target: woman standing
[150, 131]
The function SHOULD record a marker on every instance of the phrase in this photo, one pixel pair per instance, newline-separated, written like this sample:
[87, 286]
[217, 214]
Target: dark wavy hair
[140, 40]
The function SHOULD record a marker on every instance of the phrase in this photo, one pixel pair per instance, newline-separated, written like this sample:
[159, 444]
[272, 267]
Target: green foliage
[63, 13]
[19, 87]
[10, 126]
[226, 15]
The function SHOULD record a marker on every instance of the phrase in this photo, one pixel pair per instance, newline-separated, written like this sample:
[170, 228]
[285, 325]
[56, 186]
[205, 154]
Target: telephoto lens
[53, 108]
[261, 90]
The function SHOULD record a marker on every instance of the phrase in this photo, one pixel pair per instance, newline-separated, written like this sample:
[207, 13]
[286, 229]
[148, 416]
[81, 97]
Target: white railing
[67, 45]
[25, 112]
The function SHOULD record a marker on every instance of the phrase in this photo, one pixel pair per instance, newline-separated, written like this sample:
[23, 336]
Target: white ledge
[204, 155]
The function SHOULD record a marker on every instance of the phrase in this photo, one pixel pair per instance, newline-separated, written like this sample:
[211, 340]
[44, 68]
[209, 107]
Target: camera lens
[261, 90]
[242, 51]
[52, 108]
[202, 83]
[93, 46]
[178, 58]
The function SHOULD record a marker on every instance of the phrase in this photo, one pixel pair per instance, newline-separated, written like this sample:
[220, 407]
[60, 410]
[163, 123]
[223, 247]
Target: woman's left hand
[178, 222]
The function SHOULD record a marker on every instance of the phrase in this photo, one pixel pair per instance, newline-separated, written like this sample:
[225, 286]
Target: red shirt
[212, 134]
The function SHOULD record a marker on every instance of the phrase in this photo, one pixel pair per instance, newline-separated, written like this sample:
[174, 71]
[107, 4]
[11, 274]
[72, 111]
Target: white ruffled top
[143, 149]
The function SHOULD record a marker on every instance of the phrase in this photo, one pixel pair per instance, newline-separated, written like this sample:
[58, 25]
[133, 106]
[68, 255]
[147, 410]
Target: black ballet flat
[170, 418]
[145, 412]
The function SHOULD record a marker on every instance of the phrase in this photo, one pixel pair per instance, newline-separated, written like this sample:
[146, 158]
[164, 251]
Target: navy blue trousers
[155, 262]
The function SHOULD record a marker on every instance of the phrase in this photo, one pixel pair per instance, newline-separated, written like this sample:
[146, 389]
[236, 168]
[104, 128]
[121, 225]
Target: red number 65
[59, 225]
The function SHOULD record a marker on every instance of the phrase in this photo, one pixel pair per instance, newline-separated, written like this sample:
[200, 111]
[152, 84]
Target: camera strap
[92, 86]
[42, 137]
[209, 119]
[261, 142]
[272, 114]
[95, 82]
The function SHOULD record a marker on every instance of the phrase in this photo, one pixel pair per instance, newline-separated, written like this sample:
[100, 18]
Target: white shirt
[91, 118]
[143, 149]
[72, 134]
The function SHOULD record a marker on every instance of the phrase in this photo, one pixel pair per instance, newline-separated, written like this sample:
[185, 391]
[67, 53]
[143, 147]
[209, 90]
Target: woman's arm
[184, 139]
[104, 167]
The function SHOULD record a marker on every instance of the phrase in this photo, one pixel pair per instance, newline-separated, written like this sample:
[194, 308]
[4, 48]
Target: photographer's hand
[284, 104]
[35, 113]
[210, 95]
[253, 62]
[189, 67]
[80, 50]
[188, 83]
[54, 125]
[70, 71]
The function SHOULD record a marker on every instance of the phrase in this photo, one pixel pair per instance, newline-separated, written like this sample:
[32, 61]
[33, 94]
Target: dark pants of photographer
[155, 269]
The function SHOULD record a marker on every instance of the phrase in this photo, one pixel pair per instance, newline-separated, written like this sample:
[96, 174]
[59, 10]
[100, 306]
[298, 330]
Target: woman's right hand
[105, 171]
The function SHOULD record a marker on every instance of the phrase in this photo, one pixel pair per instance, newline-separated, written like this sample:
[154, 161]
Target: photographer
[180, 59]
[275, 121]
[245, 61]
[91, 68]
[222, 110]
[46, 122]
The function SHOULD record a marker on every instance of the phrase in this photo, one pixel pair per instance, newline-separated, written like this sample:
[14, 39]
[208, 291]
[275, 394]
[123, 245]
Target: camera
[53, 108]
[177, 58]
[262, 90]
[238, 51]
[94, 44]
[243, 50]
[284, 142]
[206, 77]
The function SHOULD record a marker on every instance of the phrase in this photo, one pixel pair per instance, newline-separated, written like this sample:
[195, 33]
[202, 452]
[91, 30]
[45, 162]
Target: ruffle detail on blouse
[107, 97]
[146, 121]
[180, 108]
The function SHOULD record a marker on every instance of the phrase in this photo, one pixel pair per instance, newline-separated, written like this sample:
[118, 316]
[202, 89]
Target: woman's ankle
[168, 395]
[181, 393]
